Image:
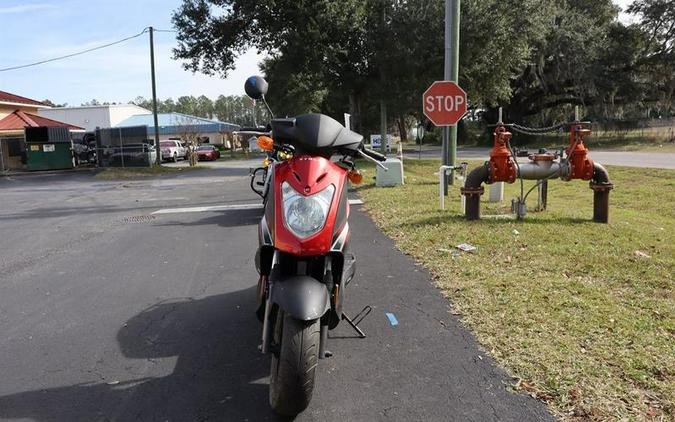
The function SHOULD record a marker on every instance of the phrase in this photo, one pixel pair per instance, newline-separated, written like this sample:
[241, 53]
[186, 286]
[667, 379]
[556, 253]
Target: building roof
[90, 107]
[175, 123]
[19, 120]
[6, 97]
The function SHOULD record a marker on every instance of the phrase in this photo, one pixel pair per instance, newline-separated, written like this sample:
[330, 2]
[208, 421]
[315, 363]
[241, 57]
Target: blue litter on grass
[392, 318]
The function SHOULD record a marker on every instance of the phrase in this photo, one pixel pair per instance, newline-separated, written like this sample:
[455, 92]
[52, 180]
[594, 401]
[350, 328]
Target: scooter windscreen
[315, 134]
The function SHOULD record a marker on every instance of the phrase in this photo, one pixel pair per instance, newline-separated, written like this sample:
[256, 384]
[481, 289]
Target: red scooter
[302, 257]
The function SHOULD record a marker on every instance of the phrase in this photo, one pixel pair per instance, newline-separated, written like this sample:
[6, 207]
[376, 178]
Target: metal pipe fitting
[478, 176]
[473, 190]
[600, 174]
[539, 170]
[601, 187]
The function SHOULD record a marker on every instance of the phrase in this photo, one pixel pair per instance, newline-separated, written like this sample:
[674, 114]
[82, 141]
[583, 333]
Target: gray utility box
[394, 174]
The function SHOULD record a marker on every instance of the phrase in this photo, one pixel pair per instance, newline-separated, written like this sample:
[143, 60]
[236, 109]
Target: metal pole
[2, 159]
[383, 104]
[119, 139]
[454, 76]
[154, 95]
[446, 76]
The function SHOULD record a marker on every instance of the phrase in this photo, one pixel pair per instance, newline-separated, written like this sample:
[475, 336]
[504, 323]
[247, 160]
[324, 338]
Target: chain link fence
[125, 147]
[609, 134]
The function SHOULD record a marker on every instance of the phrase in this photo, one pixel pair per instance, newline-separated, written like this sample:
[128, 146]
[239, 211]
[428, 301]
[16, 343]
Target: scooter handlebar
[253, 129]
[374, 155]
[251, 132]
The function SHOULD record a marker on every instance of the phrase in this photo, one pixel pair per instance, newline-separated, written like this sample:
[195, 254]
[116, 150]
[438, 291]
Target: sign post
[451, 73]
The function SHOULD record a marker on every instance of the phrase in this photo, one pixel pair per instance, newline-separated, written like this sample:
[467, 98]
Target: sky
[33, 30]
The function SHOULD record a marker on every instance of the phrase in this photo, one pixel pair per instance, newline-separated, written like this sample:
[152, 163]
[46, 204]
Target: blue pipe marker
[392, 319]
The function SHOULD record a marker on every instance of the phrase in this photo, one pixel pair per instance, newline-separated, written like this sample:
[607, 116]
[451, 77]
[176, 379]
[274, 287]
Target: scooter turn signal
[355, 176]
[265, 143]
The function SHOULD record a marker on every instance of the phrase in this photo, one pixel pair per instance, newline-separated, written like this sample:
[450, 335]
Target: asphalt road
[664, 160]
[109, 312]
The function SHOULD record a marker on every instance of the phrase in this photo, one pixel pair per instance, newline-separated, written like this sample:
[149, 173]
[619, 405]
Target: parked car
[207, 152]
[132, 155]
[173, 150]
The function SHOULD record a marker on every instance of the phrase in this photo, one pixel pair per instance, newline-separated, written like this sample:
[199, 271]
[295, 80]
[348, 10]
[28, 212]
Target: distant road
[664, 160]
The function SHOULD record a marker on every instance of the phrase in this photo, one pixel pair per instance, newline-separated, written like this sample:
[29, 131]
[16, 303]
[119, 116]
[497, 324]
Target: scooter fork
[265, 345]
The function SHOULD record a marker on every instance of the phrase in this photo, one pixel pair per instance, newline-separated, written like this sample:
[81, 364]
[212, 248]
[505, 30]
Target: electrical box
[394, 174]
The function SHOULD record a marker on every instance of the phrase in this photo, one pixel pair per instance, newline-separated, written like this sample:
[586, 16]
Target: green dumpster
[48, 148]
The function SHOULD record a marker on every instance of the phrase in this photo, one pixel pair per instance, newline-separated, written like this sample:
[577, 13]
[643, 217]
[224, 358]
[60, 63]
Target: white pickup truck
[173, 150]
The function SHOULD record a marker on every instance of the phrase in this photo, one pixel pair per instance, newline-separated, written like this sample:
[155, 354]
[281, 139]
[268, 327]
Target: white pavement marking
[168, 198]
[224, 208]
[207, 209]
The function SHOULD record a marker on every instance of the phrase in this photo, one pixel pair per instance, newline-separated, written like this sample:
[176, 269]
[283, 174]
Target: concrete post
[497, 192]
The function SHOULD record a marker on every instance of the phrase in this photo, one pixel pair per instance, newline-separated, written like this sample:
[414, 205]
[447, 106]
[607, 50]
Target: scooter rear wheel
[294, 364]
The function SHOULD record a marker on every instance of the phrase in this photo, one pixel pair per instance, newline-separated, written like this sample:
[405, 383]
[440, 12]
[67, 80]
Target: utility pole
[451, 73]
[383, 104]
[154, 95]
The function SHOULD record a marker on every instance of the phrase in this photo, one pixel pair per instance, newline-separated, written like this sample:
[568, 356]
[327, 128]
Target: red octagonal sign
[444, 103]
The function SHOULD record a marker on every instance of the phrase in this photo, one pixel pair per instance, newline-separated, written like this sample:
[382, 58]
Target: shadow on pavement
[210, 171]
[54, 212]
[219, 373]
[227, 218]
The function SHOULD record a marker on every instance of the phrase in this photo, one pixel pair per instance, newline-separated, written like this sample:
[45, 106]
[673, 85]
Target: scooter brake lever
[368, 157]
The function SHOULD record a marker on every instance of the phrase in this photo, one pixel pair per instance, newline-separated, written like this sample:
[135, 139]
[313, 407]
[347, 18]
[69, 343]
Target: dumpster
[48, 148]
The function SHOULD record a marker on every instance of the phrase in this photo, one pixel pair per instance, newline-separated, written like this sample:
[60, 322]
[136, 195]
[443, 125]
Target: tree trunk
[353, 111]
[402, 130]
[383, 127]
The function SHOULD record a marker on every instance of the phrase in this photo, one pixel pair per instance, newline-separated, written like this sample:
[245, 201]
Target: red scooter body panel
[308, 175]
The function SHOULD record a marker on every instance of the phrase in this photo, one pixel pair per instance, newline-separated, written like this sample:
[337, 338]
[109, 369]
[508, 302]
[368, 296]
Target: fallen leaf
[524, 385]
[652, 413]
[640, 254]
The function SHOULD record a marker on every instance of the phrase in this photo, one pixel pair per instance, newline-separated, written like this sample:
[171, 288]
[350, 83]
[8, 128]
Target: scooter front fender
[302, 296]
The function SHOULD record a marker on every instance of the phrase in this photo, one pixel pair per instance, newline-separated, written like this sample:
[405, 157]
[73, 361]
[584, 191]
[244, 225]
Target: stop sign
[444, 103]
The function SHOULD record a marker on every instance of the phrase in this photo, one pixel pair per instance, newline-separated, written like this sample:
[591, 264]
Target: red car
[207, 152]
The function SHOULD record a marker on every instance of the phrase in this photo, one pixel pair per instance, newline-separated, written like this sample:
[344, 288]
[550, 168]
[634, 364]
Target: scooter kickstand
[357, 319]
[323, 352]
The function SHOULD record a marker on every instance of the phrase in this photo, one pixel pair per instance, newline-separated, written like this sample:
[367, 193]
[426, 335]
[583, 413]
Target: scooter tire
[294, 365]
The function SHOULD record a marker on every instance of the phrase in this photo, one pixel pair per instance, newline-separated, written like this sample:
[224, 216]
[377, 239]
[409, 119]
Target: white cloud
[25, 8]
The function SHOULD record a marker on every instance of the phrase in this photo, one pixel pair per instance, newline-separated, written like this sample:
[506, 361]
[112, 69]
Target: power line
[6, 69]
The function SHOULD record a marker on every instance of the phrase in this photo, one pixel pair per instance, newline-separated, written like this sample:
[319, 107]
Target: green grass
[113, 173]
[565, 305]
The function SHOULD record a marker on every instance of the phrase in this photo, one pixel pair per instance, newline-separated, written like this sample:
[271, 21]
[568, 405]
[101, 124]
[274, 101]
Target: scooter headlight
[305, 215]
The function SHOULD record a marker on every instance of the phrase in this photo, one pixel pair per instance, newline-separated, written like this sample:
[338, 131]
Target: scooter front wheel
[293, 363]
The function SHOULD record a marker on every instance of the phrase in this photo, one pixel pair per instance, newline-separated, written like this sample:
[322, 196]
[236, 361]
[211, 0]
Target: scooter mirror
[256, 87]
